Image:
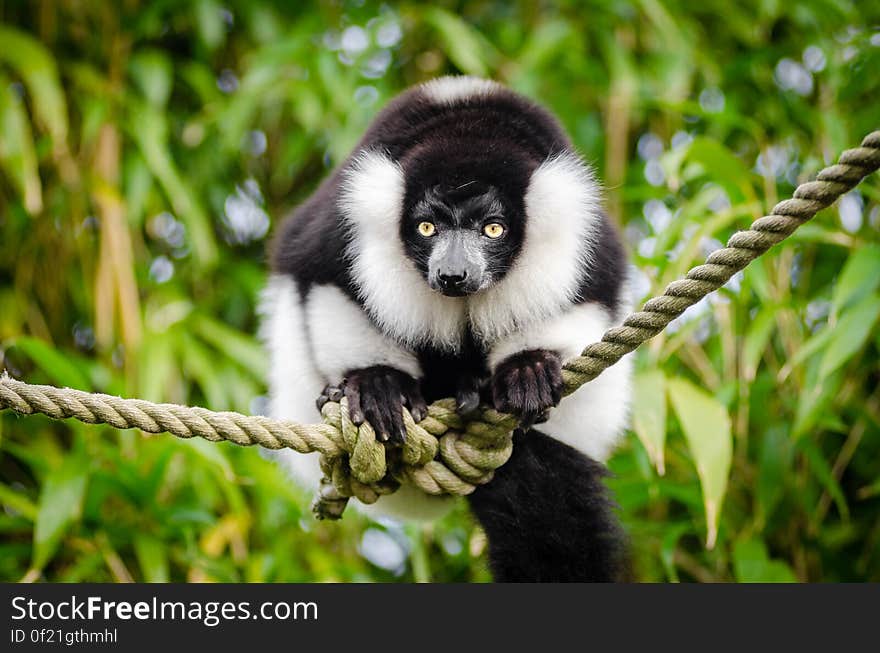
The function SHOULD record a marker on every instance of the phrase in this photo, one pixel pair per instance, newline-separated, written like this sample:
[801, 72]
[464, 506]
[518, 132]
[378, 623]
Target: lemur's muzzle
[457, 265]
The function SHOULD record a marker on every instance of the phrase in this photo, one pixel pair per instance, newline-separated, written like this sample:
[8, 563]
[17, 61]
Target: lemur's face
[464, 237]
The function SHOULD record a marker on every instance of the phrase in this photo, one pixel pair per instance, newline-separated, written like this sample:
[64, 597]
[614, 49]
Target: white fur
[392, 289]
[562, 204]
[294, 383]
[451, 89]
[594, 417]
[566, 334]
[343, 338]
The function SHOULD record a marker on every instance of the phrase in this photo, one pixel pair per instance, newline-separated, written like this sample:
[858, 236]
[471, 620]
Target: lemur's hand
[467, 395]
[528, 384]
[377, 395]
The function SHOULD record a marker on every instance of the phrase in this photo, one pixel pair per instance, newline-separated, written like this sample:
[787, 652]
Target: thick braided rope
[442, 454]
[742, 248]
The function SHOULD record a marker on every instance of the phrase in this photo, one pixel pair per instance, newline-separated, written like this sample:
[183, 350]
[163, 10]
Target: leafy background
[146, 149]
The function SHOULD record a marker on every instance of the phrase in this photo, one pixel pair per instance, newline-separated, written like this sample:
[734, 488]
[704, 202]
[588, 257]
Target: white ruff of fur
[452, 89]
[392, 289]
[562, 208]
[343, 338]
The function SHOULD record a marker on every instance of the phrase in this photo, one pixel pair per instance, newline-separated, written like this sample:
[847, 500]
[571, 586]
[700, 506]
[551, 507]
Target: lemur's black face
[463, 237]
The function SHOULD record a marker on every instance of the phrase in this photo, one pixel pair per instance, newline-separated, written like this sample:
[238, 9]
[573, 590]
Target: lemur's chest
[443, 371]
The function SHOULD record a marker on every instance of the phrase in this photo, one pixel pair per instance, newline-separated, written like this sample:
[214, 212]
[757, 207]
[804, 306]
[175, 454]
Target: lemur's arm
[376, 374]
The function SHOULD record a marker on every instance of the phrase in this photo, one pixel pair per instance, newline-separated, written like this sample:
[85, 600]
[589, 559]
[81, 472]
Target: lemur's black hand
[377, 395]
[528, 384]
[467, 395]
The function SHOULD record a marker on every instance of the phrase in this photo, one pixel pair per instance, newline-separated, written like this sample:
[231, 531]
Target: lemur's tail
[548, 516]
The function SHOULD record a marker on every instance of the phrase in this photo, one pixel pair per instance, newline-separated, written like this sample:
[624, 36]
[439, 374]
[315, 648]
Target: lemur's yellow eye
[427, 229]
[493, 230]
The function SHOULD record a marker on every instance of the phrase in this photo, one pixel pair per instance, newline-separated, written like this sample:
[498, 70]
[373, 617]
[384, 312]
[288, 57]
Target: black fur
[548, 516]
[546, 512]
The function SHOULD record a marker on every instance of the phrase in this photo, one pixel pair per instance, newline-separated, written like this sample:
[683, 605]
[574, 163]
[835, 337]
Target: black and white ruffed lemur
[461, 251]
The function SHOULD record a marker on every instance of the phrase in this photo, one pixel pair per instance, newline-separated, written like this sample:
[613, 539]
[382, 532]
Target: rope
[442, 453]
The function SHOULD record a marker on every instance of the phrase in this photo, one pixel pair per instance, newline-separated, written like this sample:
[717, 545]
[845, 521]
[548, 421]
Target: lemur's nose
[452, 280]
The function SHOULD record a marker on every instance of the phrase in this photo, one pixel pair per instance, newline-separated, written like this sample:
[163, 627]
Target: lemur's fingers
[467, 401]
[543, 417]
[528, 384]
[353, 394]
[377, 395]
[412, 399]
[329, 393]
[393, 408]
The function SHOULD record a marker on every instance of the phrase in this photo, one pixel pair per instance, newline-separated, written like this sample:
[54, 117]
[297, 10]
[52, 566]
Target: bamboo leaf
[152, 555]
[823, 473]
[464, 45]
[18, 156]
[720, 164]
[758, 335]
[850, 334]
[149, 129]
[152, 71]
[37, 68]
[60, 505]
[752, 564]
[649, 414]
[58, 366]
[239, 348]
[707, 429]
[859, 277]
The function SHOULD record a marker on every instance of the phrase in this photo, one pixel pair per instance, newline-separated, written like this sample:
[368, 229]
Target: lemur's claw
[467, 402]
[378, 395]
[329, 393]
[528, 384]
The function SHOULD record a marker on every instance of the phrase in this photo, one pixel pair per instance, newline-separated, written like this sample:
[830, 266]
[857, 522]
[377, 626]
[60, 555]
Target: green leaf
[209, 20]
[152, 555]
[850, 334]
[242, 349]
[721, 165]
[758, 335]
[17, 502]
[859, 277]
[817, 342]
[751, 564]
[149, 129]
[649, 414]
[824, 474]
[60, 505]
[773, 464]
[152, 71]
[815, 400]
[464, 45]
[36, 66]
[706, 427]
[18, 155]
[55, 364]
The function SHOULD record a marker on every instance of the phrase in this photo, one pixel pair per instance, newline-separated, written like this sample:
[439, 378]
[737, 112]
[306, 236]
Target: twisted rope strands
[443, 455]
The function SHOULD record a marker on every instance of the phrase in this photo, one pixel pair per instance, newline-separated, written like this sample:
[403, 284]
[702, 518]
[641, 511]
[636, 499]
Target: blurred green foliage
[145, 148]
